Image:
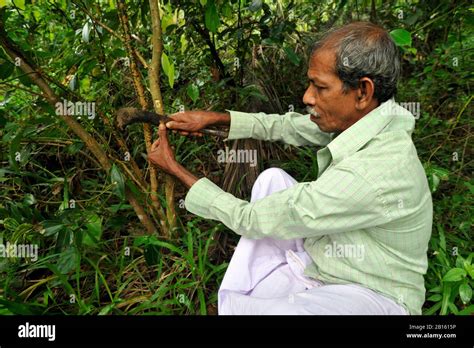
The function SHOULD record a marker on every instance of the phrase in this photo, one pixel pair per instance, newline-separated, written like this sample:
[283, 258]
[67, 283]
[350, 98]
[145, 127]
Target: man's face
[325, 96]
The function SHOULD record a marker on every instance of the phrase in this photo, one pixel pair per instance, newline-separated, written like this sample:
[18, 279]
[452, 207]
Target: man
[354, 240]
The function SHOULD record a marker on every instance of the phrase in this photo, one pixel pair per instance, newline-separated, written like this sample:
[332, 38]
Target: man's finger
[155, 144]
[162, 132]
[176, 116]
[171, 124]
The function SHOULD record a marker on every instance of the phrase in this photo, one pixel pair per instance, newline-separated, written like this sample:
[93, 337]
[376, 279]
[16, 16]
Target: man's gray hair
[364, 49]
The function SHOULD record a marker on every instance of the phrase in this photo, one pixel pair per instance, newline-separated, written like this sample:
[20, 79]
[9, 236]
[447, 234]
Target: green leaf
[107, 309]
[168, 68]
[73, 83]
[441, 172]
[454, 275]
[193, 92]
[412, 50]
[29, 199]
[19, 308]
[401, 37]
[6, 69]
[292, 55]
[435, 298]
[226, 10]
[118, 182]
[52, 227]
[465, 292]
[20, 4]
[74, 147]
[184, 43]
[166, 21]
[470, 270]
[434, 182]
[93, 230]
[467, 311]
[445, 302]
[211, 17]
[67, 261]
[255, 5]
[85, 84]
[453, 308]
[10, 224]
[37, 15]
[86, 31]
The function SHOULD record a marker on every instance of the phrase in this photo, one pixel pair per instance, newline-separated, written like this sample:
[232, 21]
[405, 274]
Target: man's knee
[270, 181]
[271, 174]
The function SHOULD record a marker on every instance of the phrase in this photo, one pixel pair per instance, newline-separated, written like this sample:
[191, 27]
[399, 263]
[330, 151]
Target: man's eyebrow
[314, 79]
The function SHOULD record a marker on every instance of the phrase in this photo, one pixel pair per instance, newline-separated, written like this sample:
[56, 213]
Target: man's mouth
[314, 115]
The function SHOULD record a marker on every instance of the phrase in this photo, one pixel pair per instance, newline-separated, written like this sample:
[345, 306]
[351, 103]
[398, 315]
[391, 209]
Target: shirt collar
[361, 132]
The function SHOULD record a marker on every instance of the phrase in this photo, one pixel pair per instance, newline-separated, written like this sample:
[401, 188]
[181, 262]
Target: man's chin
[321, 127]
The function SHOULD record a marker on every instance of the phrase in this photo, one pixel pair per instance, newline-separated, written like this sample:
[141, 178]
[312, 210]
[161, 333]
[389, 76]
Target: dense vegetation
[113, 234]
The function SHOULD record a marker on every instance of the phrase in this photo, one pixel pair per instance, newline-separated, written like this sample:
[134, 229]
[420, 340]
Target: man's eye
[317, 86]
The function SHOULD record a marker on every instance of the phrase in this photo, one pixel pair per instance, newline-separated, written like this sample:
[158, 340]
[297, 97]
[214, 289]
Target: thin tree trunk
[154, 78]
[140, 89]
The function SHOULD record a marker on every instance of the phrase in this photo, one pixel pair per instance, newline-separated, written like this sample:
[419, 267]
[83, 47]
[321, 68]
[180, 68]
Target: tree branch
[154, 78]
[140, 89]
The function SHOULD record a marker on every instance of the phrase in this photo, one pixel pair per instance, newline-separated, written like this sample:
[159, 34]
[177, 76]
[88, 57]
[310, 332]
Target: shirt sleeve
[340, 202]
[291, 128]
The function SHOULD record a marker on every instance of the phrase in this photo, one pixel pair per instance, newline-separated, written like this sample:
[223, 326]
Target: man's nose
[308, 97]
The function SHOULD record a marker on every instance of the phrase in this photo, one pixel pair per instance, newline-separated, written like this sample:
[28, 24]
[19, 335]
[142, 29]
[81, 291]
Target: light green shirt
[366, 218]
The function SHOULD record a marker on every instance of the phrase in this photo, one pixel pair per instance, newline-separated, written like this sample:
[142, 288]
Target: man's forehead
[321, 63]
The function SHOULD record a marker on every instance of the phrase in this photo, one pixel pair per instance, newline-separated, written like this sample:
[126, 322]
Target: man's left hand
[161, 153]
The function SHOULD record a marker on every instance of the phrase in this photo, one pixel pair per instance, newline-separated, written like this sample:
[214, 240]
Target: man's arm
[340, 202]
[291, 128]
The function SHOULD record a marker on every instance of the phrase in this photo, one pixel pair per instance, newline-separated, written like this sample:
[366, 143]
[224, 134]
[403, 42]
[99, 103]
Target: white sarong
[265, 276]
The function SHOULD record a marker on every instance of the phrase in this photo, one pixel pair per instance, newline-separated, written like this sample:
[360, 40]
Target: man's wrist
[221, 118]
[185, 176]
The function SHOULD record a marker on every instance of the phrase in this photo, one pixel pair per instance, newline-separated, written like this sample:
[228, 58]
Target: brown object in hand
[127, 116]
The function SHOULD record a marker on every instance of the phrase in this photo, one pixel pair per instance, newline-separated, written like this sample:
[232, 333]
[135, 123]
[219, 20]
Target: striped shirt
[366, 218]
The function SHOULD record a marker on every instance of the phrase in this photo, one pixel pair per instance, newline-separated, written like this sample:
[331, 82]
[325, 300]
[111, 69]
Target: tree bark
[155, 89]
[140, 89]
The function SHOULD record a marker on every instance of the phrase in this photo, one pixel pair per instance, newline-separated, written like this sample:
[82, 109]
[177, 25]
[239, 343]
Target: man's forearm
[185, 176]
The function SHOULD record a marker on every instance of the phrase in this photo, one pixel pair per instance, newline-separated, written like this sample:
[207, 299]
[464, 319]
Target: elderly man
[354, 240]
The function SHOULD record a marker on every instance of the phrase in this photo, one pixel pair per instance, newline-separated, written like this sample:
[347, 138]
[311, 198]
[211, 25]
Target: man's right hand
[191, 122]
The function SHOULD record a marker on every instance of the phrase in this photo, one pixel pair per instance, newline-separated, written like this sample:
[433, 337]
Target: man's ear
[365, 93]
